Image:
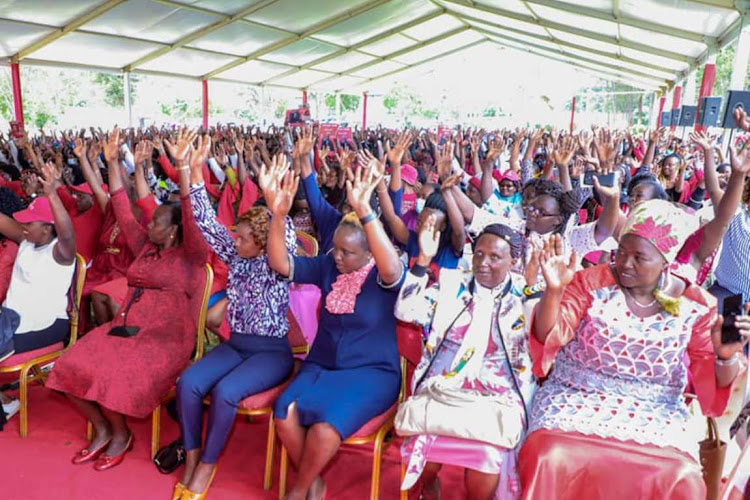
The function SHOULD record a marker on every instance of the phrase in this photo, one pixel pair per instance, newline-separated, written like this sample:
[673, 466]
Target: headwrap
[664, 224]
[667, 227]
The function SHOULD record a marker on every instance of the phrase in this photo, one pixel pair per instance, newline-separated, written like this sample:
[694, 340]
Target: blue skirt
[345, 399]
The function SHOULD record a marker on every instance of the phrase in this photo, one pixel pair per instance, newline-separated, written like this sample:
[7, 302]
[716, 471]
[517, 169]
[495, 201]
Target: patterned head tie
[663, 224]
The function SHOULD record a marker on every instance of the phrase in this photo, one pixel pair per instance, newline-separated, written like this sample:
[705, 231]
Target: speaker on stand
[734, 99]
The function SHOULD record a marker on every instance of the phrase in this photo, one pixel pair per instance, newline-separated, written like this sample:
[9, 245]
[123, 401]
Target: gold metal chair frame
[199, 348]
[34, 365]
[377, 438]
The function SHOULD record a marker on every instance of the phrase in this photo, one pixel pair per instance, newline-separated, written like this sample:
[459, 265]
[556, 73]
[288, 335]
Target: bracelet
[534, 289]
[728, 362]
[367, 218]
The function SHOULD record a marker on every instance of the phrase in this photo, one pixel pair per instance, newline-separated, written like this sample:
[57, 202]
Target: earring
[171, 236]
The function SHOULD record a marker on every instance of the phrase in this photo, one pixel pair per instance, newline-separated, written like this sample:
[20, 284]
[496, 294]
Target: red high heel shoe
[107, 462]
[88, 455]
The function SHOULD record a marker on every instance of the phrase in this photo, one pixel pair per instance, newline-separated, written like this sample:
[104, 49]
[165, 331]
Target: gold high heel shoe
[191, 495]
[179, 488]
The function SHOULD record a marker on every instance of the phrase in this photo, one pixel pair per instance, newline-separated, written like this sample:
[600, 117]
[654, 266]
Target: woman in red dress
[109, 376]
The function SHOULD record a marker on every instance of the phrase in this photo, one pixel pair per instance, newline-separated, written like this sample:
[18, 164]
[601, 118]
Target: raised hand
[199, 155]
[94, 149]
[143, 152]
[450, 182]
[429, 240]
[360, 189]
[50, 179]
[497, 146]
[366, 158]
[445, 160]
[563, 153]
[180, 149]
[741, 119]
[558, 271]
[279, 185]
[305, 142]
[396, 153]
[702, 139]
[740, 158]
[111, 146]
[606, 148]
[80, 149]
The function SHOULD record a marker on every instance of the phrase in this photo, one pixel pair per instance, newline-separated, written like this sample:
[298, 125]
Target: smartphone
[124, 331]
[732, 307]
[607, 180]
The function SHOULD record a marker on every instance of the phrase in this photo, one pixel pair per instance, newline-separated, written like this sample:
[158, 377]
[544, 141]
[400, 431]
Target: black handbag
[170, 457]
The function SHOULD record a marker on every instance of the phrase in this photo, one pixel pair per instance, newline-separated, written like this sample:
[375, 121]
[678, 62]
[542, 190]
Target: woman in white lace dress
[610, 420]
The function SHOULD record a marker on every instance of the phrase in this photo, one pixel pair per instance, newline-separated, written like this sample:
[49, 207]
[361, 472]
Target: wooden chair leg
[269, 453]
[283, 467]
[23, 400]
[377, 451]
[155, 430]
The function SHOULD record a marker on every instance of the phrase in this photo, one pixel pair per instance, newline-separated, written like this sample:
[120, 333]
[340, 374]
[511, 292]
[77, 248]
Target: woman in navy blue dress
[352, 372]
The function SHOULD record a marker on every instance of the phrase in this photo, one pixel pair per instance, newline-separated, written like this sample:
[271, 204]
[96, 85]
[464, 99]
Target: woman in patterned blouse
[612, 416]
[257, 355]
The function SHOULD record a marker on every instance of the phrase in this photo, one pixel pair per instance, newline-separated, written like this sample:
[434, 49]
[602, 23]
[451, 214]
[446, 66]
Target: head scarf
[664, 224]
[667, 227]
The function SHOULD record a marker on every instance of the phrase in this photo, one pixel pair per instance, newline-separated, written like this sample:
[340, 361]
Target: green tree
[114, 87]
[348, 102]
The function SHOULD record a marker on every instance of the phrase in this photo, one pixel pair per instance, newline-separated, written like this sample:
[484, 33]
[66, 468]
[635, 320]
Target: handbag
[442, 409]
[712, 452]
[170, 457]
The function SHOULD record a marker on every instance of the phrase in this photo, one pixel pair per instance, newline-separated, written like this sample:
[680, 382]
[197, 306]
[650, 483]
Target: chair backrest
[79, 276]
[201, 330]
[296, 338]
[308, 243]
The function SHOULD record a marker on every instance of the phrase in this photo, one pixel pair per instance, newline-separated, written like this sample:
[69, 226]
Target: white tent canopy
[344, 45]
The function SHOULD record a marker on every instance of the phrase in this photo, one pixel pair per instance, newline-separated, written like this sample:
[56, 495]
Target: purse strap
[713, 431]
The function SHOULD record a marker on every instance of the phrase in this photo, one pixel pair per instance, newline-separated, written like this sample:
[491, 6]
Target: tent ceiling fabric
[346, 44]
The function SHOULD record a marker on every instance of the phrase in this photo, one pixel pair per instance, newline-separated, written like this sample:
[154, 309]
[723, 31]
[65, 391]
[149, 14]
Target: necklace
[644, 306]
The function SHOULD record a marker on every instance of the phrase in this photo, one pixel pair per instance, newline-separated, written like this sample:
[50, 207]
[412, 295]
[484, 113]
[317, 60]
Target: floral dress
[448, 304]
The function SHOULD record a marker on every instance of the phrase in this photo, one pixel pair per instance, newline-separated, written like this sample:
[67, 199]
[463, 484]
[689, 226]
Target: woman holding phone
[612, 415]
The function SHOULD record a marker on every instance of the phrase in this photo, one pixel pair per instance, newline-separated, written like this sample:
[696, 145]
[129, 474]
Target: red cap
[409, 174]
[474, 181]
[38, 211]
[508, 174]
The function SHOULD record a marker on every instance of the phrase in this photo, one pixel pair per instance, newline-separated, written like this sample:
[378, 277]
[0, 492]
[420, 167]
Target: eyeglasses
[532, 210]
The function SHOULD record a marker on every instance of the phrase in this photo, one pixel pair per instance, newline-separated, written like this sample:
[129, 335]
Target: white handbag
[447, 411]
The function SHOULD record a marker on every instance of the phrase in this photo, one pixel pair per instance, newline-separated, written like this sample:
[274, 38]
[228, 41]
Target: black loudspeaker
[664, 121]
[708, 112]
[675, 117]
[687, 116]
[735, 99]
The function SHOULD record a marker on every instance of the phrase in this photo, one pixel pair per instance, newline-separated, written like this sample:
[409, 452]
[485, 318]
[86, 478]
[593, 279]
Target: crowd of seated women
[551, 326]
